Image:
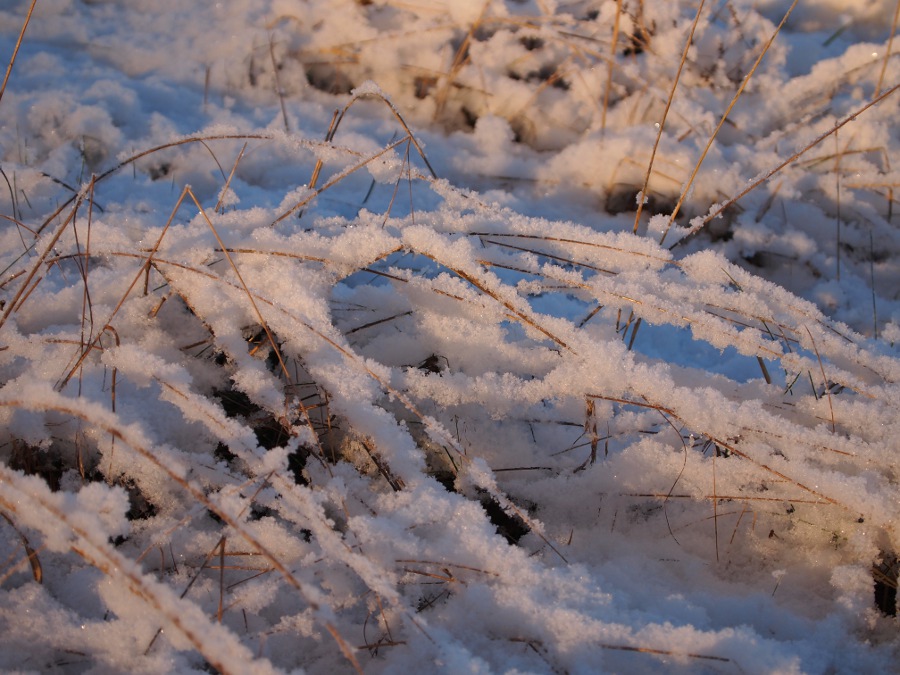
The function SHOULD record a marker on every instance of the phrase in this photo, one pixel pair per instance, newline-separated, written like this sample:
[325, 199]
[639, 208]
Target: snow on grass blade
[388, 422]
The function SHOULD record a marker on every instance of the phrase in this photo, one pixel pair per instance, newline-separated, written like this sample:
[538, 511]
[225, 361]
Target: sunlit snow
[332, 338]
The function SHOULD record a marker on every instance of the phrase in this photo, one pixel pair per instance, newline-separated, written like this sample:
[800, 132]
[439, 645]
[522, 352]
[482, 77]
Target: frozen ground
[416, 388]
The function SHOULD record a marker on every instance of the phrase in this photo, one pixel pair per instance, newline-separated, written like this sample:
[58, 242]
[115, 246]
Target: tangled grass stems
[109, 559]
[451, 338]
[722, 120]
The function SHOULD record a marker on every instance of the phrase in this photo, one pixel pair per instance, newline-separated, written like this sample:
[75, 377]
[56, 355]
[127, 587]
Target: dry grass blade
[25, 286]
[665, 652]
[335, 180]
[279, 91]
[12, 59]
[551, 256]
[37, 571]
[329, 136]
[611, 64]
[114, 376]
[825, 384]
[724, 117]
[87, 310]
[339, 117]
[459, 59]
[887, 54]
[59, 404]
[187, 588]
[519, 314]
[790, 160]
[143, 271]
[272, 342]
[93, 548]
[578, 242]
[662, 122]
[727, 445]
[220, 204]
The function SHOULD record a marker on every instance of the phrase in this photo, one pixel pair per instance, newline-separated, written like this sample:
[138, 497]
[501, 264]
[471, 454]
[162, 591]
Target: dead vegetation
[249, 432]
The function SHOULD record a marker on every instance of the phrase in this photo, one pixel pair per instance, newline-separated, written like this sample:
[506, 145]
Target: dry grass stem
[888, 51]
[724, 117]
[790, 160]
[12, 59]
[611, 62]
[661, 125]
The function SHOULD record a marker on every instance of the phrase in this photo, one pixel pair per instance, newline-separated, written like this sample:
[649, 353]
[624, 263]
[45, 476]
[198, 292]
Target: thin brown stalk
[680, 472]
[144, 270]
[664, 652]
[213, 155]
[112, 397]
[14, 302]
[12, 59]
[459, 60]
[272, 342]
[727, 112]
[278, 254]
[723, 444]
[577, 242]
[590, 428]
[226, 187]
[37, 572]
[183, 593]
[662, 122]
[637, 325]
[734, 498]
[329, 136]
[611, 65]
[887, 54]
[390, 206]
[335, 180]
[377, 322]
[448, 564]
[87, 309]
[521, 316]
[738, 523]
[219, 609]
[564, 260]
[396, 483]
[824, 379]
[387, 626]
[837, 187]
[759, 181]
[278, 90]
[400, 396]
[61, 405]
[715, 504]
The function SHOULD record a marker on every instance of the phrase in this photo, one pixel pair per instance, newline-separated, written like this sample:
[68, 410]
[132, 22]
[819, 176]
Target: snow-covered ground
[332, 336]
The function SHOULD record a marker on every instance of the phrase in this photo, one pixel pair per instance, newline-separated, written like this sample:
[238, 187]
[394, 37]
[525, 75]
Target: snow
[330, 339]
